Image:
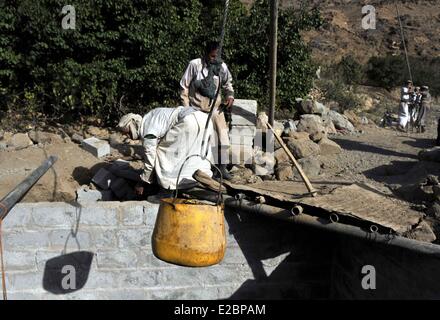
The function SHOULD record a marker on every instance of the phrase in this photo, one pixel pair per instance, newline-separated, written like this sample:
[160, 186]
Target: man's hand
[229, 102]
[139, 188]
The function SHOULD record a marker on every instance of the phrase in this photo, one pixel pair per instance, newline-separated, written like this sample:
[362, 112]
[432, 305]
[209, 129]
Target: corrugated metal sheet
[366, 204]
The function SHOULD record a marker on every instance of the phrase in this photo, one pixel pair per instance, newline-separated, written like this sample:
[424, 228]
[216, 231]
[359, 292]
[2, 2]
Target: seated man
[169, 136]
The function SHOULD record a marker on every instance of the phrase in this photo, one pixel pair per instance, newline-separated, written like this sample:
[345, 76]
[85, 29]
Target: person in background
[425, 105]
[198, 88]
[405, 99]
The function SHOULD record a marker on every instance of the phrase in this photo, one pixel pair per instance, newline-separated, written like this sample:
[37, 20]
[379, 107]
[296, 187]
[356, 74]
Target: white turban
[131, 121]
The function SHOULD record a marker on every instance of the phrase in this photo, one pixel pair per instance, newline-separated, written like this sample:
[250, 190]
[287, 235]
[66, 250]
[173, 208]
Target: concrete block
[103, 179]
[65, 239]
[146, 259]
[150, 212]
[240, 131]
[241, 154]
[129, 238]
[17, 281]
[24, 295]
[99, 279]
[242, 140]
[244, 112]
[97, 215]
[19, 260]
[116, 258]
[140, 279]
[19, 216]
[53, 215]
[98, 148]
[127, 294]
[84, 195]
[104, 238]
[25, 239]
[132, 214]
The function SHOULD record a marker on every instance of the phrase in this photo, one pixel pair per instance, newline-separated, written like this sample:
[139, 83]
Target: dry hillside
[342, 33]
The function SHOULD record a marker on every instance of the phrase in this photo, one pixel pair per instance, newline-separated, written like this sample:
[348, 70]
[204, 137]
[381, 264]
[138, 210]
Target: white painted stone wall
[259, 261]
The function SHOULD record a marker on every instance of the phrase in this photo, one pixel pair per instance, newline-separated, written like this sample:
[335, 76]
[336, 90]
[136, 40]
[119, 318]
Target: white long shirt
[197, 70]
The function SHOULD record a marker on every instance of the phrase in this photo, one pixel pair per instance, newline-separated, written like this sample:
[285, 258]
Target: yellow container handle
[220, 197]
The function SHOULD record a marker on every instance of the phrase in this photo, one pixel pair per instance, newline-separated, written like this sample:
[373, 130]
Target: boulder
[77, 138]
[299, 135]
[19, 141]
[264, 163]
[44, 137]
[101, 133]
[311, 167]
[434, 210]
[329, 126]
[310, 107]
[341, 122]
[284, 172]
[353, 118]
[329, 147]
[423, 232]
[312, 124]
[281, 156]
[364, 120]
[303, 148]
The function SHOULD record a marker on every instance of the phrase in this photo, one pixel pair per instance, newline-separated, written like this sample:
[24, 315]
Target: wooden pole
[273, 58]
[306, 180]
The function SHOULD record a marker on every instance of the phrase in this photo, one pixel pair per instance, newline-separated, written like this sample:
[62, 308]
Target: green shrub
[336, 90]
[130, 54]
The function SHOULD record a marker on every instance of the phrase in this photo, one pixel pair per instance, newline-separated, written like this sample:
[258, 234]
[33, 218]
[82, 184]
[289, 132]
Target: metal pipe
[325, 225]
[20, 190]
[273, 58]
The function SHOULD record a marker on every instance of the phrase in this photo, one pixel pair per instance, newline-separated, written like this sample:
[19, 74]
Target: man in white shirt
[199, 86]
[168, 135]
[405, 99]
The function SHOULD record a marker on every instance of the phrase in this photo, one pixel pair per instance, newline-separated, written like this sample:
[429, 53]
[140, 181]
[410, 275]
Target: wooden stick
[306, 180]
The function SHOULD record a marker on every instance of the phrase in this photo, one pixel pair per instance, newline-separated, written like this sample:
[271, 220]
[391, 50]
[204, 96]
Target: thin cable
[5, 295]
[222, 34]
[404, 43]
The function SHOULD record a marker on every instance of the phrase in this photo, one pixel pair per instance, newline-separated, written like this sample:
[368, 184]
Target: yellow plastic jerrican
[189, 233]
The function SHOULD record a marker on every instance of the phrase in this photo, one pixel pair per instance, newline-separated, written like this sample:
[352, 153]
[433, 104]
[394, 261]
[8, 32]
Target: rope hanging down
[5, 297]
[203, 152]
[404, 42]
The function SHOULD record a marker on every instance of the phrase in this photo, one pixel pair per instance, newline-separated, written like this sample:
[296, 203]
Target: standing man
[405, 99]
[199, 86]
[425, 105]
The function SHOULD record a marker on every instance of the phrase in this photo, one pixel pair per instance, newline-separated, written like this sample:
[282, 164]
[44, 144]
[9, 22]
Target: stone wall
[264, 259]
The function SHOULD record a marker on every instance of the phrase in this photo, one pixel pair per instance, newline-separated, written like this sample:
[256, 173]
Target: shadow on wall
[287, 262]
[69, 271]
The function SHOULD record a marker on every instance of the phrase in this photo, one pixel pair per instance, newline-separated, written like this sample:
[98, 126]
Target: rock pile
[307, 138]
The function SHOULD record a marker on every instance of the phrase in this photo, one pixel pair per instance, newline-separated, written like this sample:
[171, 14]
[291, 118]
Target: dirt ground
[378, 156]
[73, 168]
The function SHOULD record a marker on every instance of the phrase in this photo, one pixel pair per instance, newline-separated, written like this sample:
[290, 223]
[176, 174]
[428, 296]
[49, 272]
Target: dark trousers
[437, 143]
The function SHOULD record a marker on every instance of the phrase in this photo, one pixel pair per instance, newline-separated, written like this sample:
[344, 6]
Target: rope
[222, 34]
[5, 296]
[404, 43]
